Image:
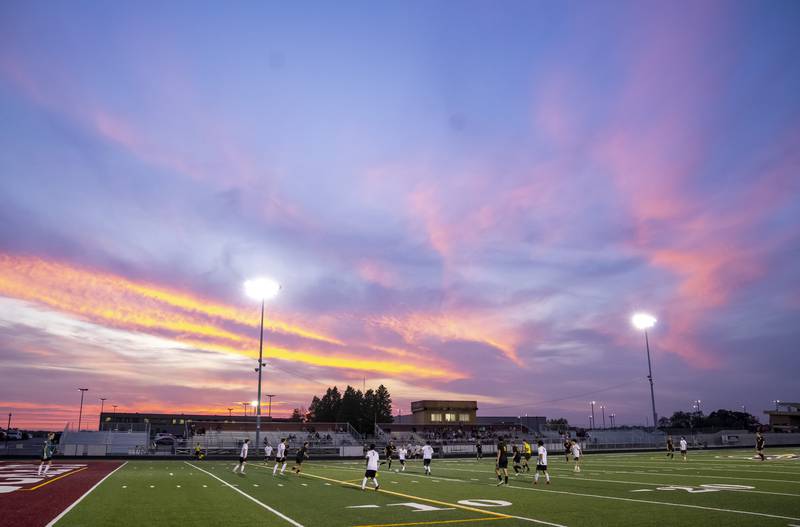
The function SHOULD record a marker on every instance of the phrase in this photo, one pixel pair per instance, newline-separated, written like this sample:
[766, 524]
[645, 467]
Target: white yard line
[248, 496]
[664, 503]
[65, 511]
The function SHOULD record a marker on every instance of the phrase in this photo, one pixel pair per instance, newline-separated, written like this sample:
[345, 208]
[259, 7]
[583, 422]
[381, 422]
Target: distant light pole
[114, 406]
[261, 289]
[643, 321]
[245, 404]
[591, 422]
[603, 409]
[102, 404]
[8, 430]
[777, 402]
[592, 403]
[230, 412]
[269, 411]
[612, 416]
[699, 408]
[80, 412]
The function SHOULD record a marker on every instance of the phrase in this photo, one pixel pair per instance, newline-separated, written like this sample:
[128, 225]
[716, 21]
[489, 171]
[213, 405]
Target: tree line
[361, 410]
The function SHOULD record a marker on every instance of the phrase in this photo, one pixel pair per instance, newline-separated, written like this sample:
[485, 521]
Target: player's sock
[39, 472]
[375, 481]
[46, 468]
[275, 470]
[547, 476]
[403, 469]
[234, 468]
[536, 477]
[363, 483]
[499, 477]
[283, 468]
[506, 480]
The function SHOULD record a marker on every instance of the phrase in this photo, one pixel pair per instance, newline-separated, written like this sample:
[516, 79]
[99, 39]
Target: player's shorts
[576, 457]
[683, 451]
[670, 449]
[760, 450]
[527, 456]
[280, 459]
[242, 459]
[370, 473]
[299, 460]
[426, 461]
[45, 458]
[503, 463]
[541, 467]
[402, 461]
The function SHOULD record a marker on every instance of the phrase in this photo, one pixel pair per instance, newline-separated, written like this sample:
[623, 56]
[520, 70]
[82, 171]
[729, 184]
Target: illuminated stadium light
[261, 288]
[643, 321]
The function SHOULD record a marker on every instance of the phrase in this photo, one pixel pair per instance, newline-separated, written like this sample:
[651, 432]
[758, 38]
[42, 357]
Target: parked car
[14, 435]
[164, 439]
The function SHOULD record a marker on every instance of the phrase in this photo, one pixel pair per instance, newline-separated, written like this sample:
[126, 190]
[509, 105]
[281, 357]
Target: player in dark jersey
[760, 441]
[478, 450]
[670, 448]
[388, 452]
[517, 460]
[502, 462]
[302, 455]
[48, 449]
[567, 448]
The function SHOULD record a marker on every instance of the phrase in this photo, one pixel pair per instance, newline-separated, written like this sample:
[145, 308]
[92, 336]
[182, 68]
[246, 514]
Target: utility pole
[80, 412]
[269, 409]
[102, 405]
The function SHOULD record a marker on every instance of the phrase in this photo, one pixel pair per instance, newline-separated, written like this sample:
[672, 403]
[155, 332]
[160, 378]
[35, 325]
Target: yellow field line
[437, 502]
[431, 523]
[56, 479]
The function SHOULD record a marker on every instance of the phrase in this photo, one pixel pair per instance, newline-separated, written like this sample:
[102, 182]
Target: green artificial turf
[612, 489]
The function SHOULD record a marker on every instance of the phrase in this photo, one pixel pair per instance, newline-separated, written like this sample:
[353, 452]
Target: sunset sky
[461, 200]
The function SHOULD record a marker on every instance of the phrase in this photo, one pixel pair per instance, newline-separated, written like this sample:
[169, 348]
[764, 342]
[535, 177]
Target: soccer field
[712, 488]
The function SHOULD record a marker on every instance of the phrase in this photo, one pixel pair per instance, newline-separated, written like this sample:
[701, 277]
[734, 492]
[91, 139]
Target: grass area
[725, 488]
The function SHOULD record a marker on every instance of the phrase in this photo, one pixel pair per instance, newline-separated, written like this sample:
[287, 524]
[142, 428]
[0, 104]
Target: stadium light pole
[262, 289]
[80, 411]
[643, 322]
[114, 406]
[230, 412]
[612, 419]
[102, 405]
[245, 405]
[269, 411]
[603, 409]
[592, 403]
[777, 402]
[591, 423]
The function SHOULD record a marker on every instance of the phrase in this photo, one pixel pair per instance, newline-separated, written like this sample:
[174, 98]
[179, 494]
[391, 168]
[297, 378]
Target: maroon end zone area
[30, 503]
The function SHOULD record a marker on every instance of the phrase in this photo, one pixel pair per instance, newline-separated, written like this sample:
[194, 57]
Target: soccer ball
[397, 470]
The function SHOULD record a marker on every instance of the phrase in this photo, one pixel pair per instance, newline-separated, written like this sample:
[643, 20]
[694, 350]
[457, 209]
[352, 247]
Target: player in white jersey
[243, 456]
[541, 464]
[427, 455]
[575, 448]
[684, 447]
[373, 460]
[401, 456]
[280, 457]
[267, 452]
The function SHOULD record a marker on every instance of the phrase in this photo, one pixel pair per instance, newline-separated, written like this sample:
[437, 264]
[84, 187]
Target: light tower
[643, 321]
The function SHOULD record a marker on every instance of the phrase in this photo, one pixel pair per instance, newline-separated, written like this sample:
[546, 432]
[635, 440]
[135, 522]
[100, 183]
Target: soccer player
[389, 450]
[517, 459]
[684, 446]
[760, 441]
[541, 464]
[373, 459]
[501, 463]
[478, 450]
[567, 447]
[427, 455]
[242, 457]
[401, 455]
[526, 452]
[47, 454]
[267, 452]
[302, 455]
[280, 457]
[575, 448]
[670, 448]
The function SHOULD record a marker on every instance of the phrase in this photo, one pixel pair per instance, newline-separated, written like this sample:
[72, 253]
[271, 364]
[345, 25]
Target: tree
[297, 415]
[369, 412]
[350, 407]
[383, 405]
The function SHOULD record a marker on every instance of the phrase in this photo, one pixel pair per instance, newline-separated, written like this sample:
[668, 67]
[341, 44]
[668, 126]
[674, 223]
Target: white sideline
[669, 504]
[248, 496]
[65, 511]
